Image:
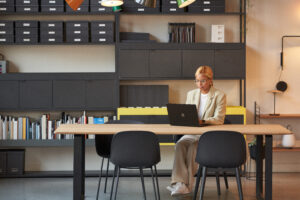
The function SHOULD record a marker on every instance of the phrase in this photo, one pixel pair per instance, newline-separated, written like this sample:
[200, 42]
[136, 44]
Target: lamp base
[275, 114]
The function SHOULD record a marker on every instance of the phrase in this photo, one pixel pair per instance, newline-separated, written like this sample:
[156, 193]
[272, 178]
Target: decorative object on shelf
[217, 33]
[288, 141]
[274, 93]
[184, 3]
[281, 86]
[3, 64]
[117, 9]
[74, 4]
[147, 3]
[111, 3]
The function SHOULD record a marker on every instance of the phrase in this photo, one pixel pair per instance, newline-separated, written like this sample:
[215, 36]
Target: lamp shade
[147, 3]
[111, 3]
[184, 3]
[74, 4]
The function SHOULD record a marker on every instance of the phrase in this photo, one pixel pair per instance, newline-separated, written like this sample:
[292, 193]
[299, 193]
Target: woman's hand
[201, 121]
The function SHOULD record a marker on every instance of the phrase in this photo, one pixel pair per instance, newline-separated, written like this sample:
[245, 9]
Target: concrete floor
[285, 187]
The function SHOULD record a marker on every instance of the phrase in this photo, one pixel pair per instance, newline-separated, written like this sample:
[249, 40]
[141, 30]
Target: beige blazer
[215, 108]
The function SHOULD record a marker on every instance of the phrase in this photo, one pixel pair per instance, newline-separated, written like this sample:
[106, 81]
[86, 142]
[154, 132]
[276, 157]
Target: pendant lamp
[147, 3]
[111, 3]
[184, 3]
[74, 4]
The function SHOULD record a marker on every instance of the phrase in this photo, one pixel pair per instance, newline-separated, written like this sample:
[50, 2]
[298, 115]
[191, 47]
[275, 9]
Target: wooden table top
[164, 129]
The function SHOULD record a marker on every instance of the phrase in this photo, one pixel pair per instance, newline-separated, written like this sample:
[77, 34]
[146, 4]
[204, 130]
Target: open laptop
[183, 115]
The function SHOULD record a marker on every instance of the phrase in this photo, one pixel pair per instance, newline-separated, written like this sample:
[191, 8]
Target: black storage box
[12, 161]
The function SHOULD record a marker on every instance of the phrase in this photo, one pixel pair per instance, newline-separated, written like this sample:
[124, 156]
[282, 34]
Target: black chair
[220, 149]
[135, 150]
[103, 144]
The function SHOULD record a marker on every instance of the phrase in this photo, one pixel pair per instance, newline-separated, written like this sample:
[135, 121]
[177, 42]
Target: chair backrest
[103, 142]
[135, 149]
[225, 149]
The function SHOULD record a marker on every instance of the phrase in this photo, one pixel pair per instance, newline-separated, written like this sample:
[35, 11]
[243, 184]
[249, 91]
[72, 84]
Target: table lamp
[74, 4]
[274, 93]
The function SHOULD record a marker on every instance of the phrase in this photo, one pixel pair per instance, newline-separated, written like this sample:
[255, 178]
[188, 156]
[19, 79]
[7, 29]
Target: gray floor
[285, 187]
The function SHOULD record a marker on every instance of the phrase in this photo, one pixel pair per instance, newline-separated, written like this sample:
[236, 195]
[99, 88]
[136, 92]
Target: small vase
[288, 140]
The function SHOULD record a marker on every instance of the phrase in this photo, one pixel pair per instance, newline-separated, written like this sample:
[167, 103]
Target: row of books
[181, 32]
[22, 128]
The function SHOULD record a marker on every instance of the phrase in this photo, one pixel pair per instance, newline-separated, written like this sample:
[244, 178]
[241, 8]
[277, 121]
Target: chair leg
[99, 182]
[112, 184]
[225, 179]
[197, 182]
[157, 182]
[106, 176]
[238, 180]
[143, 184]
[218, 183]
[117, 184]
[154, 187]
[204, 169]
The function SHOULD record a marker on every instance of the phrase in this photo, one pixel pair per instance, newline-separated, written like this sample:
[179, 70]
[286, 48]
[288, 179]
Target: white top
[203, 99]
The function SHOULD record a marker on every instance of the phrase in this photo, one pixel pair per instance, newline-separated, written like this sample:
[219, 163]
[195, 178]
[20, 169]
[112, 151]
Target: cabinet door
[192, 59]
[36, 94]
[101, 94]
[230, 63]
[165, 63]
[134, 63]
[9, 94]
[69, 94]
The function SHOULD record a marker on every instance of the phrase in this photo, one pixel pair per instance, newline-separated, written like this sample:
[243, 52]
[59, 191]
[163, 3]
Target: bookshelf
[82, 88]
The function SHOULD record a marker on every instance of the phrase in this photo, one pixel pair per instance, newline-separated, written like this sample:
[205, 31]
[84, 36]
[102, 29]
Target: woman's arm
[220, 111]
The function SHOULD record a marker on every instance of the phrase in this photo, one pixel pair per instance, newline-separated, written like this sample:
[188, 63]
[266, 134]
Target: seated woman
[211, 105]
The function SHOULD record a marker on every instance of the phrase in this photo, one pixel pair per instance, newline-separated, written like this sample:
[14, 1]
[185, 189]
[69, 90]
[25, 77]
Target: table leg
[259, 166]
[79, 167]
[268, 167]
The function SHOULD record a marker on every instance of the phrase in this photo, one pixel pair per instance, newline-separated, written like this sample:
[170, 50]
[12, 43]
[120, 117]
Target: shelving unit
[85, 90]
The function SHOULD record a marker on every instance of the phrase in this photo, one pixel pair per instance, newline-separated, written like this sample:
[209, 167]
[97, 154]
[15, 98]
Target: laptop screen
[183, 115]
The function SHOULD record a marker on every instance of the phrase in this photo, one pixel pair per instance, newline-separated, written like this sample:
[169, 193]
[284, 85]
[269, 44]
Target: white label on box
[101, 9]
[2, 32]
[173, 2]
[3, 39]
[101, 25]
[173, 9]
[52, 9]
[3, 1]
[102, 39]
[26, 2]
[206, 2]
[77, 40]
[26, 39]
[78, 9]
[2, 9]
[77, 25]
[27, 9]
[26, 32]
[52, 1]
[77, 32]
[141, 9]
[206, 9]
[51, 32]
[102, 32]
[2, 24]
[51, 39]
[51, 25]
[26, 24]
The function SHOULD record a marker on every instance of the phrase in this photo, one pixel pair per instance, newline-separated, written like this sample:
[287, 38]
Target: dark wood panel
[165, 63]
[134, 63]
[9, 95]
[35, 94]
[69, 94]
[192, 59]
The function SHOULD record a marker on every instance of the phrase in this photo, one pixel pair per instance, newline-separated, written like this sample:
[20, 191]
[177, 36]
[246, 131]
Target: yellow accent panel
[167, 144]
[236, 110]
[142, 111]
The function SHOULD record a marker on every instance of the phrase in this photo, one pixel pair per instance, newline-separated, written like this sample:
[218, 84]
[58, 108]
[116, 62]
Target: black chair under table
[103, 144]
[135, 150]
[220, 149]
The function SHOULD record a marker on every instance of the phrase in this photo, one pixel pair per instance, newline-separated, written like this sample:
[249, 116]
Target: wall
[267, 22]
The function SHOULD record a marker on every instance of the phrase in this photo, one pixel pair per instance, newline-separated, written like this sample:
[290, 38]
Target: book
[44, 127]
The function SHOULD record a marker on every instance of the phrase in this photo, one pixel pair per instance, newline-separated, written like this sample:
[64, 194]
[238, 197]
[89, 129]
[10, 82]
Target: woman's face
[203, 83]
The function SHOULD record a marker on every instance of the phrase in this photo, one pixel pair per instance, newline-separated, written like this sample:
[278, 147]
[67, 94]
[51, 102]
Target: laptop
[183, 115]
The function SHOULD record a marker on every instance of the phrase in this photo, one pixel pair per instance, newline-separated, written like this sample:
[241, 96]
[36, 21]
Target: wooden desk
[259, 130]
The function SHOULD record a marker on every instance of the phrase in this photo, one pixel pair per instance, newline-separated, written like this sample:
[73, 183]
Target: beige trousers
[185, 167]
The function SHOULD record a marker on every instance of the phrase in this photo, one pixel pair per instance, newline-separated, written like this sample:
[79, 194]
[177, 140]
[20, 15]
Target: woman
[211, 105]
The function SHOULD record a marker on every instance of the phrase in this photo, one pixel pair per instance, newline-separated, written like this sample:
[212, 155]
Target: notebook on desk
[183, 115]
